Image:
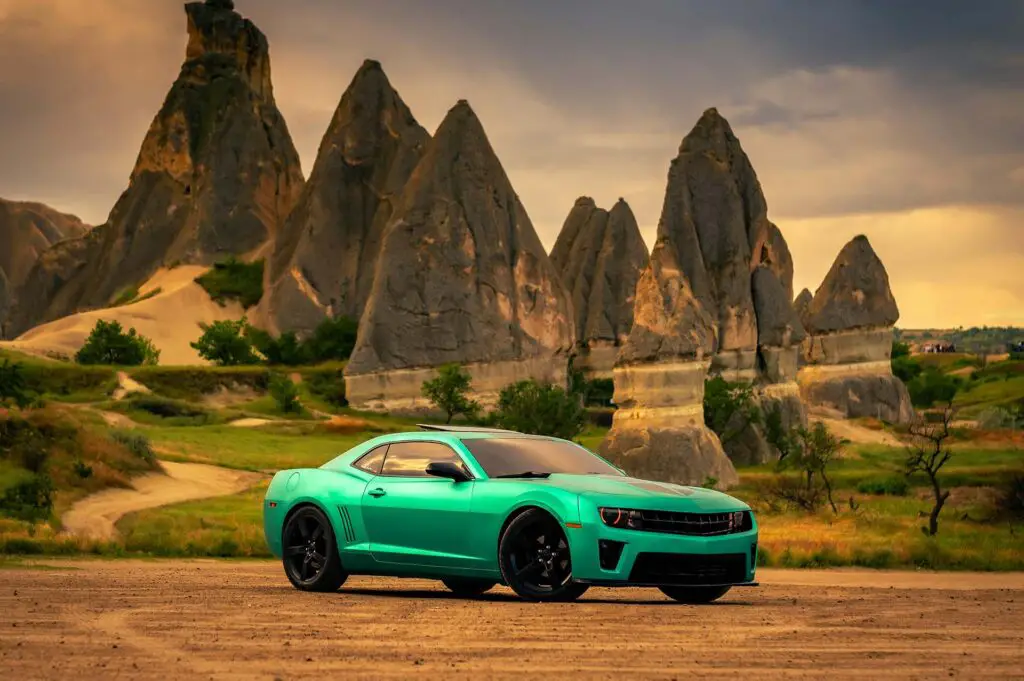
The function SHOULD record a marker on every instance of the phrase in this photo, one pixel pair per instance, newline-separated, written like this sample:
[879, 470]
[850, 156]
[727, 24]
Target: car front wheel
[534, 558]
[695, 595]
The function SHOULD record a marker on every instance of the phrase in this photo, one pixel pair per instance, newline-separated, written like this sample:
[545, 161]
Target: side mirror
[447, 469]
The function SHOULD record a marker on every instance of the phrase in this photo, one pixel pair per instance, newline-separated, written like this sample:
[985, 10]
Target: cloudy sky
[899, 119]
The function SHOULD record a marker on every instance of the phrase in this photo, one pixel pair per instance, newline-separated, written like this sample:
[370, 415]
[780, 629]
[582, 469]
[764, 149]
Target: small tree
[448, 391]
[809, 452]
[285, 393]
[729, 407]
[12, 385]
[226, 343]
[540, 409]
[108, 343]
[928, 453]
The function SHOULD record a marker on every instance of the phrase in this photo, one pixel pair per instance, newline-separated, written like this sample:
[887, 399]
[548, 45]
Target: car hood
[608, 490]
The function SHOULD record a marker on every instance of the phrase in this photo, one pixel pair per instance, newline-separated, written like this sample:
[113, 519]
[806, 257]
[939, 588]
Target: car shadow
[501, 597]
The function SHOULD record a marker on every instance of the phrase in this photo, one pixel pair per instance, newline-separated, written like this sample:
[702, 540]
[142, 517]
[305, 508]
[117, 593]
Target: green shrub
[449, 390]
[136, 443]
[176, 412]
[191, 383]
[109, 344]
[327, 383]
[233, 279]
[932, 386]
[13, 389]
[1010, 497]
[906, 369]
[226, 343]
[541, 409]
[69, 380]
[900, 349]
[29, 499]
[332, 340]
[893, 486]
[285, 350]
[285, 394]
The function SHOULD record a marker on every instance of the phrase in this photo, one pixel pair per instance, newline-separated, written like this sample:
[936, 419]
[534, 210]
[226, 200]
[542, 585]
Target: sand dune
[170, 319]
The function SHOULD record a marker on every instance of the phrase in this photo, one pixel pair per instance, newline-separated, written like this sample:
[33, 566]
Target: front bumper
[607, 556]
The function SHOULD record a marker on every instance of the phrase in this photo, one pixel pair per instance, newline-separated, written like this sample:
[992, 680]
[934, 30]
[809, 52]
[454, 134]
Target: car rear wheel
[695, 595]
[311, 558]
[534, 558]
[468, 588]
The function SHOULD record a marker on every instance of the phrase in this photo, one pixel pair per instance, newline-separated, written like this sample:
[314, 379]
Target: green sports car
[475, 507]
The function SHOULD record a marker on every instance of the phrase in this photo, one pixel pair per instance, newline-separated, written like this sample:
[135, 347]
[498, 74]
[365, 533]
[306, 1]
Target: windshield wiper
[524, 474]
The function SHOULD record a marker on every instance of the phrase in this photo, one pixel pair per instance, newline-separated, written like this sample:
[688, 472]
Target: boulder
[461, 277]
[216, 176]
[847, 356]
[323, 259]
[600, 255]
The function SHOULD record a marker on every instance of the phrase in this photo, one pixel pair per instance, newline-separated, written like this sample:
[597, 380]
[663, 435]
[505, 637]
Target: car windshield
[529, 457]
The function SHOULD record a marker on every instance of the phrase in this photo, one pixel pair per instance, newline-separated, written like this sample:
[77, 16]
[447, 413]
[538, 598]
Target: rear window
[511, 456]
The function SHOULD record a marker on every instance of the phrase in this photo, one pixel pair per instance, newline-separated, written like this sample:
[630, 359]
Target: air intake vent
[695, 524]
[689, 569]
[346, 525]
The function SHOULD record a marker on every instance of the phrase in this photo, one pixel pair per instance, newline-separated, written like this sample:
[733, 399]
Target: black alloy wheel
[695, 595]
[311, 558]
[534, 558]
[468, 588]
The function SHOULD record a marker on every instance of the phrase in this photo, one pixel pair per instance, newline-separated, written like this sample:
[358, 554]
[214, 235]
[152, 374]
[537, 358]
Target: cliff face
[216, 175]
[600, 255]
[461, 277]
[27, 230]
[323, 260]
[847, 354]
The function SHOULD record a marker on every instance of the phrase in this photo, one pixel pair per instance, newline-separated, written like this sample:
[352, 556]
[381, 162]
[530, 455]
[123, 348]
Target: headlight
[623, 518]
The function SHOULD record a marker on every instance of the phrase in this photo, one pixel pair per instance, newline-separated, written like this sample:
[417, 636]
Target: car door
[415, 518]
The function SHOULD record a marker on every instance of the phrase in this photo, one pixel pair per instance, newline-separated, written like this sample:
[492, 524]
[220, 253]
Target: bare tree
[928, 453]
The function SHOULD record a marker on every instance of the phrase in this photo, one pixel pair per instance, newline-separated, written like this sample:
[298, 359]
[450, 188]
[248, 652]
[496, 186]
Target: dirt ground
[242, 620]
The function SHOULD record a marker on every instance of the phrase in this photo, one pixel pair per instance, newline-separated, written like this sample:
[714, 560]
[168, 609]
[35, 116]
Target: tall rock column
[847, 357]
[658, 430]
[600, 255]
[461, 277]
[323, 259]
[217, 175]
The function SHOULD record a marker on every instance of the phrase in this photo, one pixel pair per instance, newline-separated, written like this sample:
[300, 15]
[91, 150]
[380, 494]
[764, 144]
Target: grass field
[187, 421]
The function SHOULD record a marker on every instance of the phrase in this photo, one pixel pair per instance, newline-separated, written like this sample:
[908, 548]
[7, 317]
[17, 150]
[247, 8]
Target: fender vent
[346, 524]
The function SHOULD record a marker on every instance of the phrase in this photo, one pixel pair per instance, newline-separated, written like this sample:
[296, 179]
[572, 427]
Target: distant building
[938, 346]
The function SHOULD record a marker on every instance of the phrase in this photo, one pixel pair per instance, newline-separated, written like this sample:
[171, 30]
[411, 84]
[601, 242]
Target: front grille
[693, 524]
[689, 569]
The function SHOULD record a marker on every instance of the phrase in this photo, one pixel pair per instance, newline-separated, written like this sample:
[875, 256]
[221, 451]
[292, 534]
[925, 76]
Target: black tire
[534, 558]
[695, 595]
[468, 588]
[311, 559]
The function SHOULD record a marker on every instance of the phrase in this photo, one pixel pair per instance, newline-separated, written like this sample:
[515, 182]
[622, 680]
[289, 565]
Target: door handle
[377, 492]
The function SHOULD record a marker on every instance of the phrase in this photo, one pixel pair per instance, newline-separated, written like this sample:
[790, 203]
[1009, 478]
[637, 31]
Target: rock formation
[461, 277]
[27, 230]
[324, 258]
[658, 430]
[600, 255]
[802, 304]
[217, 175]
[847, 355]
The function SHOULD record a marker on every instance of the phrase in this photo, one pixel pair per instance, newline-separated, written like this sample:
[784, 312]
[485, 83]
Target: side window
[410, 459]
[373, 460]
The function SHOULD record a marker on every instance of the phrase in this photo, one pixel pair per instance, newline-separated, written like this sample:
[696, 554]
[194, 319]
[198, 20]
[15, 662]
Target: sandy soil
[857, 433]
[126, 385]
[95, 515]
[170, 319]
[249, 423]
[242, 620]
